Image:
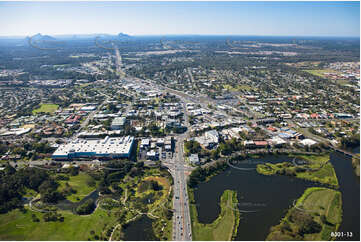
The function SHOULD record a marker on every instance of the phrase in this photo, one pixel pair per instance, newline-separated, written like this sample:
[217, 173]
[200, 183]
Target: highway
[182, 229]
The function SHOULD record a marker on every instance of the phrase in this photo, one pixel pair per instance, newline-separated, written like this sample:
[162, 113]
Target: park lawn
[161, 200]
[80, 184]
[15, 225]
[315, 159]
[325, 175]
[224, 227]
[320, 72]
[46, 108]
[162, 181]
[29, 193]
[327, 202]
[323, 170]
[316, 201]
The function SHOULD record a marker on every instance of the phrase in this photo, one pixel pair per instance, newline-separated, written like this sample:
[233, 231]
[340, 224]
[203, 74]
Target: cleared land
[46, 108]
[224, 227]
[317, 168]
[315, 215]
[83, 184]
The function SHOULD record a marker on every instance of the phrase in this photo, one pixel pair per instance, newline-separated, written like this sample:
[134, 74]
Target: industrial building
[108, 147]
[118, 123]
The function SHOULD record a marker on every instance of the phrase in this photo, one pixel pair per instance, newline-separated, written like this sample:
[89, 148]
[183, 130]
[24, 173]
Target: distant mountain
[40, 37]
[122, 35]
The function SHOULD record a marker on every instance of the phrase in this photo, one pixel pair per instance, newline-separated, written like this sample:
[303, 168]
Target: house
[260, 144]
[72, 119]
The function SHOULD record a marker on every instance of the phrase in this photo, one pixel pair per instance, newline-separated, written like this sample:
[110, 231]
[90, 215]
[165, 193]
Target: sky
[169, 18]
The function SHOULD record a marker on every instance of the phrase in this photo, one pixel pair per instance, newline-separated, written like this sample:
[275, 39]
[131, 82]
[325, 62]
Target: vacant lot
[46, 108]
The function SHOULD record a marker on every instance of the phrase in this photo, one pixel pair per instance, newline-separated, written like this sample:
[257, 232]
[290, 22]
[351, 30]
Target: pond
[267, 198]
[68, 205]
[139, 230]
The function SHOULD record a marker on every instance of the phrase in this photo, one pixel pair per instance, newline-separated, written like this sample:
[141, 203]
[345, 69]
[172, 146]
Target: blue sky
[161, 18]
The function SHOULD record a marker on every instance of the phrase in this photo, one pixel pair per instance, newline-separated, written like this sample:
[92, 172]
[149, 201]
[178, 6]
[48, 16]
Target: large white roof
[119, 145]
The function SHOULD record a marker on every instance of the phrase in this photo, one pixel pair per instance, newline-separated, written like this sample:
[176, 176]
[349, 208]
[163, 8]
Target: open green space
[226, 224]
[82, 184]
[239, 87]
[46, 108]
[321, 73]
[318, 169]
[315, 215]
[16, 225]
[120, 203]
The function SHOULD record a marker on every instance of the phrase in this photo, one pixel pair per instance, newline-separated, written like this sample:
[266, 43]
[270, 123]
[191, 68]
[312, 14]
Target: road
[118, 63]
[91, 115]
[191, 78]
[182, 229]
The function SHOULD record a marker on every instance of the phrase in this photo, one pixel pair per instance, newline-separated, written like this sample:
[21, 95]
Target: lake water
[71, 206]
[267, 198]
[350, 189]
[138, 230]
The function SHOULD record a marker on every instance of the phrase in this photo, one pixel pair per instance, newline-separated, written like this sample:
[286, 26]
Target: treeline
[350, 142]
[201, 174]
[112, 177]
[26, 149]
[13, 185]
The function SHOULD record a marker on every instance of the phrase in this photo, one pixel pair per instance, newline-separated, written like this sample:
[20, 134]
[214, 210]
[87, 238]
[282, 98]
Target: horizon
[296, 19]
[176, 35]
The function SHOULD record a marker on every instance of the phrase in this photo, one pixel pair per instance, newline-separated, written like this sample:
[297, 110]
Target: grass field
[18, 226]
[321, 73]
[46, 108]
[80, 184]
[224, 227]
[317, 202]
[320, 169]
